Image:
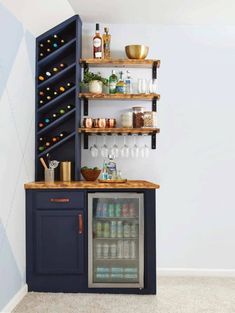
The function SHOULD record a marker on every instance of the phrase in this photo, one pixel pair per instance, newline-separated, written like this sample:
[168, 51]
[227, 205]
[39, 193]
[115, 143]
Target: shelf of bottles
[116, 240]
[56, 80]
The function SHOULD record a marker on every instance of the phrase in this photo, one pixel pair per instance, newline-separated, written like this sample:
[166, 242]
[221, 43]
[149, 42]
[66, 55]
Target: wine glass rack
[58, 112]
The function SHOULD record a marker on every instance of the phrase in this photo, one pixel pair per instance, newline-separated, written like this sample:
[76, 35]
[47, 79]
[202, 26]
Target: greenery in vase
[89, 76]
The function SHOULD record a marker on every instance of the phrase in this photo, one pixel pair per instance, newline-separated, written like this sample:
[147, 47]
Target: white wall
[194, 160]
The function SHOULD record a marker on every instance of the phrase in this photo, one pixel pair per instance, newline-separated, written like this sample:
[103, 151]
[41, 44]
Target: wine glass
[135, 149]
[153, 86]
[144, 151]
[114, 149]
[104, 149]
[125, 148]
[94, 149]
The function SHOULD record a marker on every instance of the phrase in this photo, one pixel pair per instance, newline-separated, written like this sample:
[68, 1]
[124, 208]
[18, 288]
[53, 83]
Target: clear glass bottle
[106, 43]
[121, 85]
[128, 82]
[111, 168]
[138, 117]
[97, 43]
[113, 82]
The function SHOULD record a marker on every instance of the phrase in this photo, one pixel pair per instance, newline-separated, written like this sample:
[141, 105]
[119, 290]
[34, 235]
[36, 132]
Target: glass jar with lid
[138, 117]
[150, 119]
[126, 119]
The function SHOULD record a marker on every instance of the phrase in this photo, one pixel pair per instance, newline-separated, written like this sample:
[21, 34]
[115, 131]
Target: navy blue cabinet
[59, 245]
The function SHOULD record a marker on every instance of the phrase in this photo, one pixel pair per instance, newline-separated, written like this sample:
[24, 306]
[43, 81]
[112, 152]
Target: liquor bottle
[128, 83]
[113, 82]
[41, 125]
[97, 44]
[121, 86]
[41, 78]
[106, 43]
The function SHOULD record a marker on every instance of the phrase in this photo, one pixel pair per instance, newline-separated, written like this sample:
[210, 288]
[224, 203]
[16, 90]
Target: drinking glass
[144, 151]
[142, 86]
[114, 149]
[94, 149]
[104, 149]
[152, 87]
[135, 149]
[125, 148]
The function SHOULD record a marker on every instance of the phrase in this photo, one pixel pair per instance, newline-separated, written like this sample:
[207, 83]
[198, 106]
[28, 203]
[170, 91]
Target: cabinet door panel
[59, 242]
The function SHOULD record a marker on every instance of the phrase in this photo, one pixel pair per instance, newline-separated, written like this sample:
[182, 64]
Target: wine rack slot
[57, 106]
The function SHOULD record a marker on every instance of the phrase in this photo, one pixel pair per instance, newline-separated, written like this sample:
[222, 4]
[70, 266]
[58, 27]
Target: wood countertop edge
[131, 184]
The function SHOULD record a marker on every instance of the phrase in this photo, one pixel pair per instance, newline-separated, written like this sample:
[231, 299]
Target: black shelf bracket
[153, 143]
[85, 66]
[154, 105]
[86, 142]
[154, 70]
[85, 106]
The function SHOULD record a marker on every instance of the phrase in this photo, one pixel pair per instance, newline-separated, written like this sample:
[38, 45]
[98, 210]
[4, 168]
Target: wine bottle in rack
[41, 78]
[62, 66]
[41, 148]
[69, 85]
[55, 139]
[54, 116]
[55, 70]
[48, 74]
[41, 125]
[69, 107]
[61, 89]
[47, 120]
[62, 111]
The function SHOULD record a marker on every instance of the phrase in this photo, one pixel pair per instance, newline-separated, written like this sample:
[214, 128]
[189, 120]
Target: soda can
[126, 230]
[133, 249]
[119, 229]
[120, 249]
[117, 209]
[104, 210]
[132, 210]
[125, 210]
[113, 230]
[111, 210]
[126, 249]
[105, 251]
[98, 249]
[133, 230]
[98, 229]
[98, 210]
[106, 230]
[113, 250]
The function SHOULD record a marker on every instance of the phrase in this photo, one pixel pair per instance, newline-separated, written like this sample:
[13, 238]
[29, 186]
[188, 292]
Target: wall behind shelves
[20, 22]
[194, 160]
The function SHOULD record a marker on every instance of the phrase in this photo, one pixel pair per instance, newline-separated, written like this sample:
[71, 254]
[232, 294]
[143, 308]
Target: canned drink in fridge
[104, 211]
[106, 230]
[133, 230]
[126, 249]
[113, 230]
[125, 210]
[132, 210]
[126, 230]
[120, 249]
[132, 249]
[117, 209]
[98, 229]
[98, 209]
[105, 251]
[111, 210]
[119, 229]
[98, 249]
[113, 250]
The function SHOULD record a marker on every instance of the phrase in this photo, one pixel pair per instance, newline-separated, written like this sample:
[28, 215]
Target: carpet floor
[175, 295]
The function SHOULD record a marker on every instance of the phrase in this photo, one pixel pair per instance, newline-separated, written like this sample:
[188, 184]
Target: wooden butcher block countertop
[130, 184]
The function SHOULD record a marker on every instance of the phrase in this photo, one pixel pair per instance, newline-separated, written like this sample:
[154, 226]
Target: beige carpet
[175, 295]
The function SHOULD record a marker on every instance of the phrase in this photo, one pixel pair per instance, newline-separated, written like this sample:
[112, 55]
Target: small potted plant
[94, 81]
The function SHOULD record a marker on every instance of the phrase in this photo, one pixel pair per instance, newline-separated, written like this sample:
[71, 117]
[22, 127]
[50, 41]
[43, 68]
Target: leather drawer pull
[60, 200]
[80, 224]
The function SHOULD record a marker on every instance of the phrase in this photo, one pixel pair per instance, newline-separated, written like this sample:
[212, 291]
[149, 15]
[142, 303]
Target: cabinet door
[60, 241]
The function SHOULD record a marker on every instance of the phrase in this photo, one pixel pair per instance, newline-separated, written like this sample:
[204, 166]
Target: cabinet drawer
[59, 199]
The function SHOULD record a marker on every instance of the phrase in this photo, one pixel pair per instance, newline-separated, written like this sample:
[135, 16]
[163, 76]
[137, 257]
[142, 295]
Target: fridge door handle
[80, 224]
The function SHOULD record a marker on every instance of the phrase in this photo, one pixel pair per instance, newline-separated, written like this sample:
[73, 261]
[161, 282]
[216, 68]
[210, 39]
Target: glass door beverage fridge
[115, 240]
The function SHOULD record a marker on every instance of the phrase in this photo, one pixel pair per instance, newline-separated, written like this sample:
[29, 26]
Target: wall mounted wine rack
[58, 112]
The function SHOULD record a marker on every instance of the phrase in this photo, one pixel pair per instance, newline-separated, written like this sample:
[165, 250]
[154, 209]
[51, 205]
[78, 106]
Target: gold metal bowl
[136, 51]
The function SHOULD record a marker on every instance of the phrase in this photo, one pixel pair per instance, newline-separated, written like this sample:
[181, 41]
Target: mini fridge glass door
[115, 240]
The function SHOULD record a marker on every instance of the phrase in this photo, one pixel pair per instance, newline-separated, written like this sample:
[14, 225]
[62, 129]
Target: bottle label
[112, 87]
[120, 89]
[98, 54]
[97, 42]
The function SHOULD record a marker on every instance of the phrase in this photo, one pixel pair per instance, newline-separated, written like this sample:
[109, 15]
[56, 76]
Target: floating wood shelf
[119, 96]
[120, 63]
[129, 131]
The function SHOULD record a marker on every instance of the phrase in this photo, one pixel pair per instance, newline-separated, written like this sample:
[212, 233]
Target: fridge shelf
[121, 260]
[116, 238]
[117, 218]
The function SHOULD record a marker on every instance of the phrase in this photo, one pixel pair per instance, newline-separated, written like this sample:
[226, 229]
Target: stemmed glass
[94, 149]
[125, 148]
[135, 149]
[104, 149]
[114, 149]
[144, 151]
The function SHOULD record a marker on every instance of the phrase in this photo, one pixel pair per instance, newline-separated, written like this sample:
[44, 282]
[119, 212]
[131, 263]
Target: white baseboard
[195, 272]
[15, 300]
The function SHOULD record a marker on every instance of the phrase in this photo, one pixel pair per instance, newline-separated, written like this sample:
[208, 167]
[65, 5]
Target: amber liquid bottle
[97, 44]
[106, 43]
